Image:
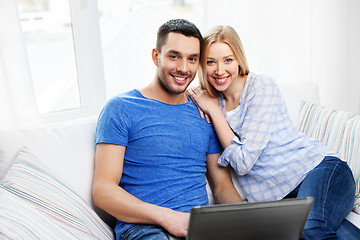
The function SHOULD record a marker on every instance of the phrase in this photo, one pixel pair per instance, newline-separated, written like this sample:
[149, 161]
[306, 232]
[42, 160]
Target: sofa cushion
[36, 204]
[67, 148]
[339, 130]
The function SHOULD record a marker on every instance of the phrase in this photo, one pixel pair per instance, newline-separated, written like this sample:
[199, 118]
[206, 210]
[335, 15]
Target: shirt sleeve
[113, 123]
[254, 133]
[215, 145]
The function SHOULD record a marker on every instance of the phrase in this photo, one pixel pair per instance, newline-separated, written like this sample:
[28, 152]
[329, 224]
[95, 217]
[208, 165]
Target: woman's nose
[219, 69]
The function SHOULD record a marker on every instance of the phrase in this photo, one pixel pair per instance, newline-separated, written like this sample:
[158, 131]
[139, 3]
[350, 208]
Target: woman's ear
[155, 56]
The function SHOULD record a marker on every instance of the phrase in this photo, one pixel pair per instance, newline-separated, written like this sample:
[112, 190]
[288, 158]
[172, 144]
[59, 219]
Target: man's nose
[183, 66]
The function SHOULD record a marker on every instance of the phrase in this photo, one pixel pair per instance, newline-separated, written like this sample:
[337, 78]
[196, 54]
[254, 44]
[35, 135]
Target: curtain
[17, 99]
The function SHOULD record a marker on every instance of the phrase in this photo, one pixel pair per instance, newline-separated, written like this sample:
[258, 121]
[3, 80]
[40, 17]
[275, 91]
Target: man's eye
[193, 59]
[173, 56]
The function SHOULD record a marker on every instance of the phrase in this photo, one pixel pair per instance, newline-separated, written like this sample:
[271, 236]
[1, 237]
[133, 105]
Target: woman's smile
[221, 80]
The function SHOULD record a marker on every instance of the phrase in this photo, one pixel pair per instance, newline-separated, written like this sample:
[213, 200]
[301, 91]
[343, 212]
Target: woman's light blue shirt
[270, 156]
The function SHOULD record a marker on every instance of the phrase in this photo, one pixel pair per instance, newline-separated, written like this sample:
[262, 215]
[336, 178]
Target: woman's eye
[210, 62]
[228, 60]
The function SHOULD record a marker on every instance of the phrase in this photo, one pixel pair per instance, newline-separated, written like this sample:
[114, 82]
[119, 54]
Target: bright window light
[128, 34]
[46, 25]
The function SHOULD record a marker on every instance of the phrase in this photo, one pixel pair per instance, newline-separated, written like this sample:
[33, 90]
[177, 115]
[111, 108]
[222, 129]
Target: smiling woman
[70, 56]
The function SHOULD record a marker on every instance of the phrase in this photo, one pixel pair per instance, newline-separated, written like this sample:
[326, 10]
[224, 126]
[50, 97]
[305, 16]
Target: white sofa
[45, 188]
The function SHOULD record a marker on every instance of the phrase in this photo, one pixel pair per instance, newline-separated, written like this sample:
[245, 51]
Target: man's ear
[155, 56]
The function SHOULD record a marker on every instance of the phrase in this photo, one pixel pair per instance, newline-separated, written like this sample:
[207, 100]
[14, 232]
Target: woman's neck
[233, 93]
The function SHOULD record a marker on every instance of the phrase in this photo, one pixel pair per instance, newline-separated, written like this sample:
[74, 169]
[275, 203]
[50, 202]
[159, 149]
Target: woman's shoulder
[260, 79]
[260, 82]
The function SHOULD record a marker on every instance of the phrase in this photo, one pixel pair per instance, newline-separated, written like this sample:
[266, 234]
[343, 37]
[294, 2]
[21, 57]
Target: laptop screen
[283, 219]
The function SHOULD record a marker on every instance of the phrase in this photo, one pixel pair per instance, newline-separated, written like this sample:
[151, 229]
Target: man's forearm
[127, 208]
[124, 206]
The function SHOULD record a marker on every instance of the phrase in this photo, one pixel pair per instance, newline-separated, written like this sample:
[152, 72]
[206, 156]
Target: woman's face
[221, 66]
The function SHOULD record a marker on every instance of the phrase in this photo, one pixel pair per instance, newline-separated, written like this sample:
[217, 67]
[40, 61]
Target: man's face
[177, 62]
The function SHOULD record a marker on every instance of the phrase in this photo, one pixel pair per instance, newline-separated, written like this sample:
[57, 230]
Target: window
[63, 47]
[50, 48]
[128, 35]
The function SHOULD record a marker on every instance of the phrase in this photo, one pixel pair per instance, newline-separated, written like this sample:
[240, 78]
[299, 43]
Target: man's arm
[107, 195]
[220, 181]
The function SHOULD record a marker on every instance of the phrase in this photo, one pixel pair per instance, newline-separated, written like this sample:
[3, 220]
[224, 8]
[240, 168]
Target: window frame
[89, 63]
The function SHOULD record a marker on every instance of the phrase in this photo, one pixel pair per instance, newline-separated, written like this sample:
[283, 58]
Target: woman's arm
[210, 106]
[220, 181]
[108, 196]
[243, 148]
[253, 131]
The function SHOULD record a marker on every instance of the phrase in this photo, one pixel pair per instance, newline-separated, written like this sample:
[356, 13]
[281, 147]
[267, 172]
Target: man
[153, 148]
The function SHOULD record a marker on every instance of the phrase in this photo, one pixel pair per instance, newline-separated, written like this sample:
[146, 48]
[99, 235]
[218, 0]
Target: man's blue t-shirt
[166, 147]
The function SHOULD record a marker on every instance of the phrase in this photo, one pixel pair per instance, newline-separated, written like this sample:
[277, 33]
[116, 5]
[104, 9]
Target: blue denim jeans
[332, 186]
[146, 232]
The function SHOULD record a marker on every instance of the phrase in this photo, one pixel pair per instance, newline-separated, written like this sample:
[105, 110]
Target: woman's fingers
[198, 90]
[193, 93]
[202, 115]
[207, 118]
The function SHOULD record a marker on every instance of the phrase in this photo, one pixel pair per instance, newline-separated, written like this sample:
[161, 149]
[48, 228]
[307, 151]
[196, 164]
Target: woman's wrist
[215, 112]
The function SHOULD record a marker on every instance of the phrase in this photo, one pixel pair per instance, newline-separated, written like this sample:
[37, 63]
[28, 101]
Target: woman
[271, 158]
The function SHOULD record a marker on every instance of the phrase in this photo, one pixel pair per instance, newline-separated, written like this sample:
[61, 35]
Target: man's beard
[167, 88]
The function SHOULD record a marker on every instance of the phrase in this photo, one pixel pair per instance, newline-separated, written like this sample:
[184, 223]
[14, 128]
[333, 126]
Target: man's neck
[156, 92]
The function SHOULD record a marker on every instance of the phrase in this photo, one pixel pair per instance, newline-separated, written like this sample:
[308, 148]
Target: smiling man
[154, 150]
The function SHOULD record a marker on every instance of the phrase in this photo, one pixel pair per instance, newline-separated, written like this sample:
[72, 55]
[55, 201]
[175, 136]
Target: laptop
[280, 220]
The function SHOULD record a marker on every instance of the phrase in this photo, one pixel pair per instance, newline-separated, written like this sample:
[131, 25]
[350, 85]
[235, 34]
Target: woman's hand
[205, 103]
[203, 115]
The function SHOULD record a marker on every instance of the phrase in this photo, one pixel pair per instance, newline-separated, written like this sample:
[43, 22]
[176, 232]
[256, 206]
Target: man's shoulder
[133, 94]
[125, 97]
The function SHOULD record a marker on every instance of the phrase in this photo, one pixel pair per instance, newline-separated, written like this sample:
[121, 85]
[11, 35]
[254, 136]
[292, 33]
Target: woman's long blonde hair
[228, 35]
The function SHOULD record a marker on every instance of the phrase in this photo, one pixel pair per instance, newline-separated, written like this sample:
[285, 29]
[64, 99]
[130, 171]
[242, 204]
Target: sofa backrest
[338, 130]
[67, 148]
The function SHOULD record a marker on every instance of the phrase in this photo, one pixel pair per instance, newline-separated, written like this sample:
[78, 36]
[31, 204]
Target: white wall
[329, 36]
[290, 40]
[300, 40]
[354, 56]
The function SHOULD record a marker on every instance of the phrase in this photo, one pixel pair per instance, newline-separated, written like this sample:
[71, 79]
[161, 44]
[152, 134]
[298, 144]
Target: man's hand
[176, 223]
